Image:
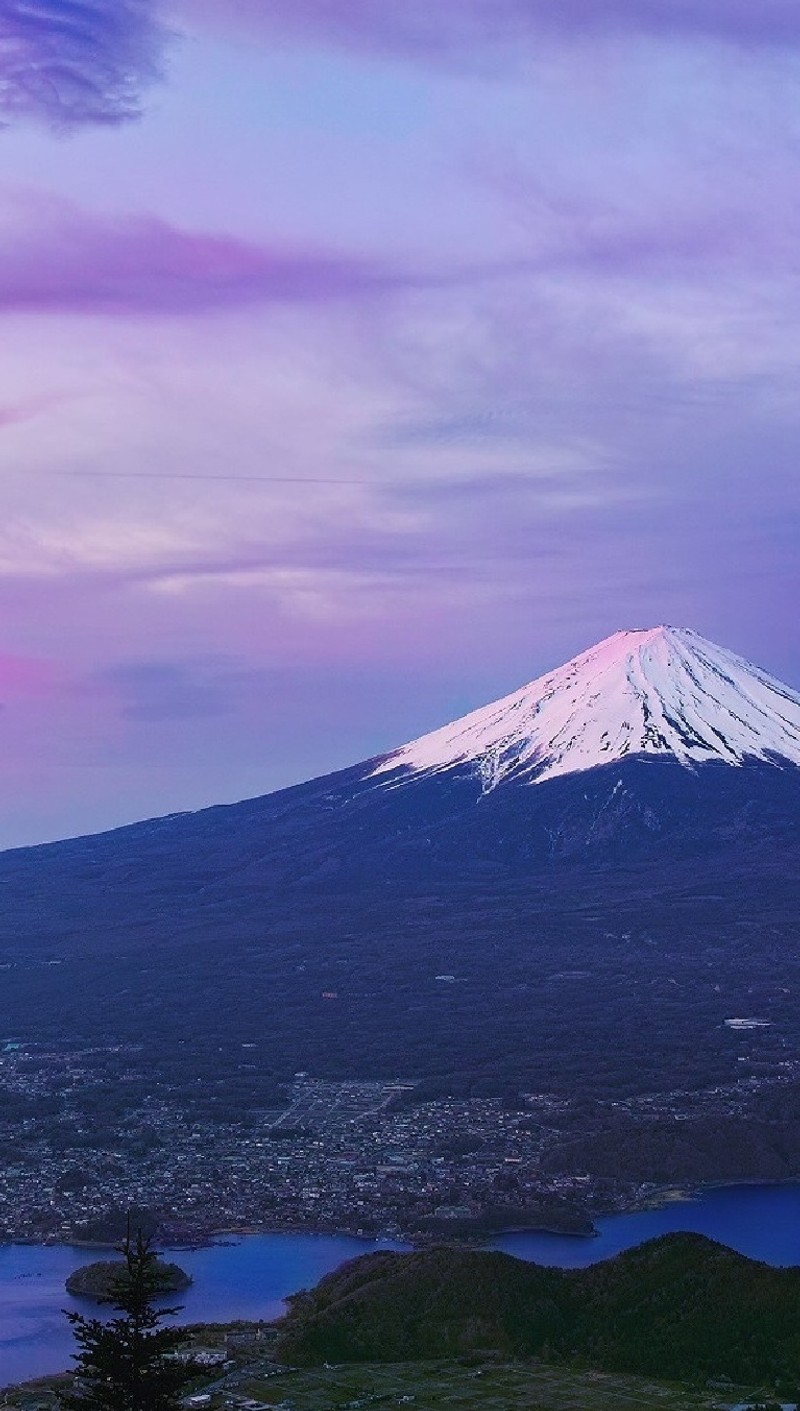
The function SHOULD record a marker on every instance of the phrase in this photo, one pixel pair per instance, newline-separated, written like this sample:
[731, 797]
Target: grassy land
[492, 1386]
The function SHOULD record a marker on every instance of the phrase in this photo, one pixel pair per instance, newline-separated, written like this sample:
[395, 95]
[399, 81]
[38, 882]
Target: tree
[125, 1363]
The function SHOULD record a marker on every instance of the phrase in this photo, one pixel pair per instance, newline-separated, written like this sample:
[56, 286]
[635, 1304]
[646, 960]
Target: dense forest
[99, 1280]
[677, 1307]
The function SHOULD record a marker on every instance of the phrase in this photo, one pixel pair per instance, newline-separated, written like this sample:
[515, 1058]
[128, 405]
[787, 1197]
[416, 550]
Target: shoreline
[211, 1311]
[232, 1236]
[656, 1199]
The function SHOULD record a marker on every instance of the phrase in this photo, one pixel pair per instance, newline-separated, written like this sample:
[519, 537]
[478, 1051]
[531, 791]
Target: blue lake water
[250, 1277]
[760, 1221]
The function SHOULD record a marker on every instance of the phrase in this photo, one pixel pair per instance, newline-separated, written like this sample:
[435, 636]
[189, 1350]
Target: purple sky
[361, 360]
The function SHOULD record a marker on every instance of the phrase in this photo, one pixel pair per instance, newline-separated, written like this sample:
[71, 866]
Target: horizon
[358, 366]
[398, 748]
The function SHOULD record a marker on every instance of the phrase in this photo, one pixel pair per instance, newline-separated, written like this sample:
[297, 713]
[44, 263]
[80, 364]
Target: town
[360, 1157]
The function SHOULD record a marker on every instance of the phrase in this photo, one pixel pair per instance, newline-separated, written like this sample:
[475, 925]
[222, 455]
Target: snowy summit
[662, 691]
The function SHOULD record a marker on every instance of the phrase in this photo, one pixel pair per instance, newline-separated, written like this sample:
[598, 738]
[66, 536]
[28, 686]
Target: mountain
[606, 862]
[661, 692]
[679, 1307]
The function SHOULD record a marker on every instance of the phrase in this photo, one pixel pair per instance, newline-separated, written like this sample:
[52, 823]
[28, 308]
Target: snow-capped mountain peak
[659, 691]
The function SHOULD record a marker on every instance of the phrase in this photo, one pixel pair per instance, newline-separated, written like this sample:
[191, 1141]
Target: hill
[678, 1307]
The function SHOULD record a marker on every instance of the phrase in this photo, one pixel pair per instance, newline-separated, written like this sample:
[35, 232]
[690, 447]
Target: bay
[246, 1278]
[250, 1277]
[761, 1221]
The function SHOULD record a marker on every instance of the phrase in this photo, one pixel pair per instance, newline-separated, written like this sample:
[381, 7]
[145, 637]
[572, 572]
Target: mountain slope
[681, 1306]
[664, 888]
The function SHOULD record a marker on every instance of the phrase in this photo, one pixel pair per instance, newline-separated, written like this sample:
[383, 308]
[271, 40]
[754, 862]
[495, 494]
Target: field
[504, 1386]
[491, 1385]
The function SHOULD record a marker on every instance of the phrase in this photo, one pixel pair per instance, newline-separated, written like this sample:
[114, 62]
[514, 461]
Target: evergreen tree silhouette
[124, 1364]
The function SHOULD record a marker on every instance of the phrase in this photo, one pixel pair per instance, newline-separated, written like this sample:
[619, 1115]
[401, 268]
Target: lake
[250, 1277]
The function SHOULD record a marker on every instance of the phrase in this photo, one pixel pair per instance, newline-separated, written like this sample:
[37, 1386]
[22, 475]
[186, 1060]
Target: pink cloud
[27, 676]
[60, 258]
[13, 415]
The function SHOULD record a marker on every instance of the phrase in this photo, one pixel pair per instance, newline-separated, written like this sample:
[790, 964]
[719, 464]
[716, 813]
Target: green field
[504, 1386]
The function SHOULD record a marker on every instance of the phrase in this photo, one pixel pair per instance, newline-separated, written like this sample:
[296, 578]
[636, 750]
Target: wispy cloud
[12, 414]
[474, 30]
[56, 257]
[74, 62]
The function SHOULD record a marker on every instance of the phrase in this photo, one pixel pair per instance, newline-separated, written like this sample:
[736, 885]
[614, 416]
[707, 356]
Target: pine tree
[124, 1364]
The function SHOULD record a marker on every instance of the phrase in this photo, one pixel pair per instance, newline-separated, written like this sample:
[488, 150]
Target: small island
[97, 1280]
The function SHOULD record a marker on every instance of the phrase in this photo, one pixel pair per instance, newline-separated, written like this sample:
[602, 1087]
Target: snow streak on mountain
[663, 691]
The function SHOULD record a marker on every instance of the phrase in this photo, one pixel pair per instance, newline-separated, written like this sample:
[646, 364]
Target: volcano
[606, 863]
[666, 691]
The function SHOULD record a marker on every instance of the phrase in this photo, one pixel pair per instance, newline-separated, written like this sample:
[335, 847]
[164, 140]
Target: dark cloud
[153, 691]
[74, 62]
